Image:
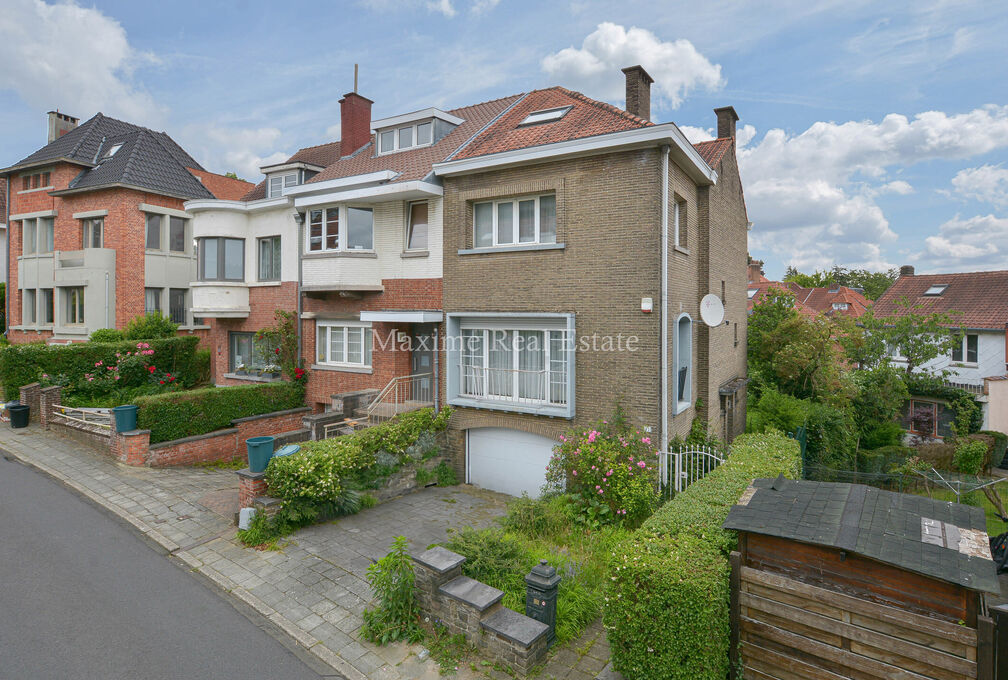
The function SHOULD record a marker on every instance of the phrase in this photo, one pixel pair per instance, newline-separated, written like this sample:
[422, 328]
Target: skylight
[752, 292]
[111, 151]
[546, 115]
[936, 289]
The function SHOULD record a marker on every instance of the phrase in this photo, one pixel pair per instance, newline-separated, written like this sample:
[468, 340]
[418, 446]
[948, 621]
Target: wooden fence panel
[789, 629]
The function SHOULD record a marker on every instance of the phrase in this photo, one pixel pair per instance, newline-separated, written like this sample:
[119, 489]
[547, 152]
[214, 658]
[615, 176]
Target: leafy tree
[874, 284]
[776, 307]
[233, 175]
[879, 398]
[800, 358]
[816, 280]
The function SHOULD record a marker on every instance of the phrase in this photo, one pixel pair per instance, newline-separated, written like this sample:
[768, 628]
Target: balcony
[342, 270]
[542, 392]
[83, 267]
[220, 300]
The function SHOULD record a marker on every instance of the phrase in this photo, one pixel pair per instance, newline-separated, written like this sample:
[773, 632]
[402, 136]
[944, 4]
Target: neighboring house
[978, 302]
[98, 230]
[831, 302]
[571, 226]
[3, 239]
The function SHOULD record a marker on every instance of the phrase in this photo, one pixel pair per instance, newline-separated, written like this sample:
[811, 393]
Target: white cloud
[812, 195]
[677, 66]
[74, 58]
[241, 150]
[696, 134]
[987, 184]
[967, 244]
[443, 6]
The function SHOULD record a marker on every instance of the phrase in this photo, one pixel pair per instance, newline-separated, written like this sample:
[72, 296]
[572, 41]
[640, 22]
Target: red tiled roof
[322, 155]
[980, 298]
[815, 301]
[714, 150]
[587, 118]
[416, 163]
[225, 188]
[258, 192]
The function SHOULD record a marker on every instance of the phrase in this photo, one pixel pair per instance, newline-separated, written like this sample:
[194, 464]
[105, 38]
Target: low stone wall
[471, 608]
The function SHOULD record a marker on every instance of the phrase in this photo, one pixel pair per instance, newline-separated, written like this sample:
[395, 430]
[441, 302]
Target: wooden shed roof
[943, 540]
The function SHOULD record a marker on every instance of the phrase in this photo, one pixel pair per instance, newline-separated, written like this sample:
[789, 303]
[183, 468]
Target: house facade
[98, 230]
[978, 303]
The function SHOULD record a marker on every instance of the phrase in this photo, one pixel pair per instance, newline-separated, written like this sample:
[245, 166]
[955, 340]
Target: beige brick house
[579, 240]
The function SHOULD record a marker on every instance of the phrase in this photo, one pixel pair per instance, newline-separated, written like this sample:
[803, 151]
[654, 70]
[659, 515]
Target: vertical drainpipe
[7, 286]
[106, 301]
[437, 378]
[664, 298]
[299, 219]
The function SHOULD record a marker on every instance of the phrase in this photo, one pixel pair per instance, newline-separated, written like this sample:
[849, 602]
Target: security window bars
[177, 305]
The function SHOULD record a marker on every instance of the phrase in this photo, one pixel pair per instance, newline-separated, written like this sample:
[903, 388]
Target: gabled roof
[221, 186]
[980, 298]
[814, 301]
[882, 525]
[713, 151]
[586, 118]
[322, 155]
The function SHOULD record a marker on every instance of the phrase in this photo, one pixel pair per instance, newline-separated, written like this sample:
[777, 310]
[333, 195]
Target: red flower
[150, 368]
[277, 350]
[162, 382]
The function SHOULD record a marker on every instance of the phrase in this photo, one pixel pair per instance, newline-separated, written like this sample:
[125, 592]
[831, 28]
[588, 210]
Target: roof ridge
[90, 125]
[488, 101]
[133, 152]
[597, 103]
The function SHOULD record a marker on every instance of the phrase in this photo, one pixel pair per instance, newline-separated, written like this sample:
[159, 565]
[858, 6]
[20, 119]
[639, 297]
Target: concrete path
[314, 587]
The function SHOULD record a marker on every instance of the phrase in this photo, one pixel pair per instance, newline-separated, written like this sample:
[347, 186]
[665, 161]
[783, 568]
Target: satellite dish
[712, 310]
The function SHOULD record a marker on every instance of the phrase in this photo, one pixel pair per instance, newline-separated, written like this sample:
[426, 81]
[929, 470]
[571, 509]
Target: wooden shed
[834, 581]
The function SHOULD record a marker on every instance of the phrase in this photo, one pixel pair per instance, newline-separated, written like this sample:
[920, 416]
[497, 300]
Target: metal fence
[678, 469]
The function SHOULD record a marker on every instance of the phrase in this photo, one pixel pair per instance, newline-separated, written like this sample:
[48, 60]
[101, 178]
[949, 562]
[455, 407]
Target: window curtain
[531, 365]
[558, 368]
[472, 363]
[500, 356]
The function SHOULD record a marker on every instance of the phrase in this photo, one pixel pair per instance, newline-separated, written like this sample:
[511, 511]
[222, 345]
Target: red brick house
[98, 230]
[832, 302]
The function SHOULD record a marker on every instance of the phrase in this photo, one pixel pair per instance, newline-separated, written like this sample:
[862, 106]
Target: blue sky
[871, 136]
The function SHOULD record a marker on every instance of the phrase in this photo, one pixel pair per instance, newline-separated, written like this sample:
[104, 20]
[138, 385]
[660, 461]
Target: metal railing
[968, 387]
[94, 417]
[680, 468]
[402, 394]
[514, 386]
[342, 427]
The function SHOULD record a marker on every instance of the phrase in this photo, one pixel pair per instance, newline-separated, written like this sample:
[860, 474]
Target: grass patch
[233, 464]
[543, 529]
[449, 651]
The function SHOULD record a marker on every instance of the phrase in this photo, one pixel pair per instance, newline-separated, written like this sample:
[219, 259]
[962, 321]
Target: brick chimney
[906, 270]
[60, 124]
[638, 91]
[726, 119]
[355, 122]
[755, 271]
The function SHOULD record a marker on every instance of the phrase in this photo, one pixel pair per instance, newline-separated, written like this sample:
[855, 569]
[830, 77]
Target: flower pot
[125, 417]
[19, 414]
[260, 450]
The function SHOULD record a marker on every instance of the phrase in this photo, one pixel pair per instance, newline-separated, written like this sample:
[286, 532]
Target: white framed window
[73, 305]
[344, 343]
[416, 226]
[277, 183]
[221, 259]
[517, 221]
[324, 232]
[683, 378]
[522, 366]
[92, 232]
[406, 137]
[840, 306]
[269, 258]
[679, 227]
[965, 352]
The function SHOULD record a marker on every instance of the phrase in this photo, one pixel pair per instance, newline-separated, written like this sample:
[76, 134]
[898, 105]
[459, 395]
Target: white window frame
[409, 226]
[963, 349]
[276, 266]
[344, 229]
[680, 222]
[396, 145]
[87, 232]
[285, 180]
[345, 327]
[515, 229]
[70, 309]
[840, 306]
[682, 404]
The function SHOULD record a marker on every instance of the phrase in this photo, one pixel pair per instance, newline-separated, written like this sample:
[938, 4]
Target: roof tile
[979, 299]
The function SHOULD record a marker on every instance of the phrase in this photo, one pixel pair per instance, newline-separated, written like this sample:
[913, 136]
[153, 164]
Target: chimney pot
[60, 124]
[638, 91]
[355, 122]
[907, 270]
[726, 119]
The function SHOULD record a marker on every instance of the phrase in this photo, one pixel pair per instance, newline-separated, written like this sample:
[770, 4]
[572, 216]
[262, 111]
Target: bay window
[524, 366]
[344, 344]
[519, 221]
[324, 233]
[221, 259]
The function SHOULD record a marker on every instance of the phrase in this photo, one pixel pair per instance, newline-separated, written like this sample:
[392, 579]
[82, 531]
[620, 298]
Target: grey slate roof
[882, 525]
[147, 159]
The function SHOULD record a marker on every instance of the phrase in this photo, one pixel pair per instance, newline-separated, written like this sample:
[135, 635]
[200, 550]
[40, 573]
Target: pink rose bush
[611, 469]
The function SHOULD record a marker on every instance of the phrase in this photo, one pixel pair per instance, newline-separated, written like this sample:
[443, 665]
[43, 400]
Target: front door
[422, 344]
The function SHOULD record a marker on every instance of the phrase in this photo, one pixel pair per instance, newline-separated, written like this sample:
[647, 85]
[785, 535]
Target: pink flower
[574, 472]
[609, 474]
[646, 440]
[641, 464]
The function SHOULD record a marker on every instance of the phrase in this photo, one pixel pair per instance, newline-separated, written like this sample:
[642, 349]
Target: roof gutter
[48, 161]
[120, 185]
[653, 135]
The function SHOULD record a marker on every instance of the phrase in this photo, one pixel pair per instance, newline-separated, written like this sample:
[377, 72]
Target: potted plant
[241, 369]
[272, 371]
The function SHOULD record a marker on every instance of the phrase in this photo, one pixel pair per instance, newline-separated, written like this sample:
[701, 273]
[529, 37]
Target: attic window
[546, 115]
[111, 151]
[936, 289]
[840, 306]
[752, 292]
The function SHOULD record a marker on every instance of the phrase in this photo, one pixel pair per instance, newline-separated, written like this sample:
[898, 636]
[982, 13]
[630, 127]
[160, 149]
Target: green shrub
[397, 616]
[882, 459]
[107, 335]
[445, 474]
[185, 414]
[969, 457]
[666, 608]
[776, 411]
[611, 469]
[832, 437]
[883, 434]
[666, 612]
[401, 432]
[998, 447]
[22, 364]
[150, 326]
[538, 517]
[201, 366]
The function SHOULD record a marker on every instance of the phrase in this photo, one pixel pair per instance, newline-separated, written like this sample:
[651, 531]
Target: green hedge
[998, 449]
[23, 364]
[666, 611]
[184, 414]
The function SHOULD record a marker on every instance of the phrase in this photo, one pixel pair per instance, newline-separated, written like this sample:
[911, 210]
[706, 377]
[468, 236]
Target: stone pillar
[251, 485]
[129, 447]
[432, 569]
[49, 397]
[30, 395]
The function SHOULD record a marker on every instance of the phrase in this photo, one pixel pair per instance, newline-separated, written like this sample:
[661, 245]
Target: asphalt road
[83, 596]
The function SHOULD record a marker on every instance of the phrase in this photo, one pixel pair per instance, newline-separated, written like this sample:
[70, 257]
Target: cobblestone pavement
[314, 587]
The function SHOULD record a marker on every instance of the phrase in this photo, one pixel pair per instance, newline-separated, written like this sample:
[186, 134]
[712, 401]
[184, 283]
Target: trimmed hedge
[666, 610]
[23, 364]
[175, 415]
[998, 449]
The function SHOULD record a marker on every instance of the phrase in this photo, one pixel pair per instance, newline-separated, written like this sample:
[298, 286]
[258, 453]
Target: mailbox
[541, 596]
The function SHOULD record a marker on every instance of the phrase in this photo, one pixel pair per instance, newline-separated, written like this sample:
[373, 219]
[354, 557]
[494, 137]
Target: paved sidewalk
[314, 588]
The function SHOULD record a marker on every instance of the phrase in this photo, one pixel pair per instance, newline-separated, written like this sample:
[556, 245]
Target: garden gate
[678, 469]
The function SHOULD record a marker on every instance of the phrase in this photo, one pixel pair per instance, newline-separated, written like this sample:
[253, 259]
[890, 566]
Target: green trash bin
[125, 418]
[19, 414]
[260, 450]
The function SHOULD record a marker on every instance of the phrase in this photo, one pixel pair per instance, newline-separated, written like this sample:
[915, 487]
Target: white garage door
[509, 461]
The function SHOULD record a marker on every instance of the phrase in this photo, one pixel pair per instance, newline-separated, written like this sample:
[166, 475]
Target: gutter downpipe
[664, 299]
[299, 219]
[106, 301]
[7, 267]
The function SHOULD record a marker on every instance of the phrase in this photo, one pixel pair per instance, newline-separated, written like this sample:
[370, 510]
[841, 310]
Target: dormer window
[406, 137]
[840, 306]
[277, 183]
[545, 115]
[936, 289]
